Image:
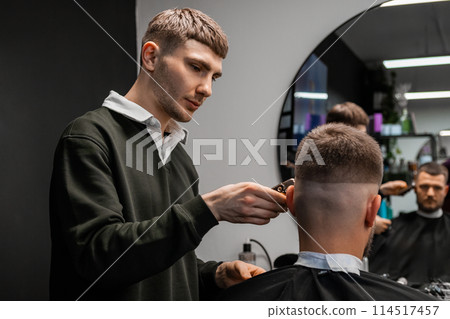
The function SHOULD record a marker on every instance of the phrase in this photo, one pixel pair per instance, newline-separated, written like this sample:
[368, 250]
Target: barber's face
[361, 128]
[187, 75]
[431, 191]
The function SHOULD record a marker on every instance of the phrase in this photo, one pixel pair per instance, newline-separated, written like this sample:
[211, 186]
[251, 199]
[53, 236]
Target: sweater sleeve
[100, 243]
[207, 279]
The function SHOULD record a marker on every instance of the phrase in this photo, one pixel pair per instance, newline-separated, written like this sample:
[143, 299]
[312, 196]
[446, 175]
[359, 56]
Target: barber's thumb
[243, 270]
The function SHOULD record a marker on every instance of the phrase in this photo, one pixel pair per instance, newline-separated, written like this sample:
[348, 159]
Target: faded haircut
[434, 169]
[349, 156]
[171, 28]
[348, 113]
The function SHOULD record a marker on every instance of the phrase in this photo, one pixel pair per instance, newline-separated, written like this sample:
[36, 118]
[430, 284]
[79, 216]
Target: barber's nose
[430, 191]
[205, 88]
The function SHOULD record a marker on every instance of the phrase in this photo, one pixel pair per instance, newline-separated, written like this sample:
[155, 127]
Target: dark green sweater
[118, 223]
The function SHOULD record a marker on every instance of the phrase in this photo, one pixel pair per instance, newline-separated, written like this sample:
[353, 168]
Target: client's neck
[331, 248]
[332, 217]
[328, 243]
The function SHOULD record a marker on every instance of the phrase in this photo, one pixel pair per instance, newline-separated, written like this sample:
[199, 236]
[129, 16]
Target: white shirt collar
[333, 262]
[436, 214]
[135, 112]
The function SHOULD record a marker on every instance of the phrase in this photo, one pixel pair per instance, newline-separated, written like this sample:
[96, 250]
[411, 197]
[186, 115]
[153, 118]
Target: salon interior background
[57, 64]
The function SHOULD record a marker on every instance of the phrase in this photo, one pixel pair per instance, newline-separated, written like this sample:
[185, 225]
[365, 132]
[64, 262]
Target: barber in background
[417, 245]
[121, 234]
[353, 115]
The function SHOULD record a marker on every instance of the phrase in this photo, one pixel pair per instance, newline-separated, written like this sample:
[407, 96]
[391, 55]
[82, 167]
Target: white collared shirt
[135, 112]
[333, 262]
[436, 214]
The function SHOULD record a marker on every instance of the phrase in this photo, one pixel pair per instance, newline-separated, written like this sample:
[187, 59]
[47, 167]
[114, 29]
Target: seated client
[335, 201]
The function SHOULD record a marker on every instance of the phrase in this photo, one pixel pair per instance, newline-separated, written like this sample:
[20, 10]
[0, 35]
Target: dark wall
[55, 64]
[348, 77]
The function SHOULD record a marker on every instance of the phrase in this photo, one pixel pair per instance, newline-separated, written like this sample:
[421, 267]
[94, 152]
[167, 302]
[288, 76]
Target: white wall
[269, 41]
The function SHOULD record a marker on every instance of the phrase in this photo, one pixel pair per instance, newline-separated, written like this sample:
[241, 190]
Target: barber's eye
[195, 68]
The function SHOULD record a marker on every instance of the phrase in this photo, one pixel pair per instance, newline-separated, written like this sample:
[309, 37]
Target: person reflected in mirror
[353, 115]
[334, 204]
[416, 246]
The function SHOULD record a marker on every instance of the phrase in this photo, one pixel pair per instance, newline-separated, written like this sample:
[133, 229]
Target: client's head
[336, 189]
[431, 186]
[349, 113]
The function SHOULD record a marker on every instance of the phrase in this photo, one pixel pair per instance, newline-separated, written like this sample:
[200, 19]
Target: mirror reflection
[409, 112]
[348, 66]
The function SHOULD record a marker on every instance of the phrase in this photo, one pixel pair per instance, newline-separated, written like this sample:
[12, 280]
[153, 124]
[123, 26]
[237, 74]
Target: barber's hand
[245, 203]
[381, 224]
[393, 188]
[233, 272]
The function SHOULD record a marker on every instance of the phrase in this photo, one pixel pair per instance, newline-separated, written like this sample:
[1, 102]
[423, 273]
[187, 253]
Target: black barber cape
[303, 283]
[415, 248]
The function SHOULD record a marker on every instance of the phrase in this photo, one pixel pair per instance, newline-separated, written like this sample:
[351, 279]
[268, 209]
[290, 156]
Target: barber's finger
[269, 205]
[272, 203]
[263, 213]
[399, 183]
[241, 270]
[254, 220]
[255, 271]
[270, 210]
[267, 193]
[384, 221]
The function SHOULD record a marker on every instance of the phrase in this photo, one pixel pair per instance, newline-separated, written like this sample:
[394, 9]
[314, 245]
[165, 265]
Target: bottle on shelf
[247, 255]
[405, 121]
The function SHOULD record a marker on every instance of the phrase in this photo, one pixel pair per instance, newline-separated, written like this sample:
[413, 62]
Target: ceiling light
[444, 133]
[311, 95]
[414, 62]
[405, 2]
[427, 95]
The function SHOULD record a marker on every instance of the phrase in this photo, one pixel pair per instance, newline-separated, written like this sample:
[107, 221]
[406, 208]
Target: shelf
[383, 137]
[430, 136]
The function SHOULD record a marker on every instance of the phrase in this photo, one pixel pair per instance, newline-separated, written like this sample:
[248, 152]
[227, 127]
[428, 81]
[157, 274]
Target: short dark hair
[173, 27]
[348, 113]
[434, 169]
[349, 156]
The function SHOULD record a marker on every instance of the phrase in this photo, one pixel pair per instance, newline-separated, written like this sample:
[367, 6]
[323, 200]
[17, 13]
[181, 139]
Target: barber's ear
[150, 53]
[373, 205]
[290, 199]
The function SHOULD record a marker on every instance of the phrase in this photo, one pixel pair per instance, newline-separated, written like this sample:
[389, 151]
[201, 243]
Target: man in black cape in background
[335, 202]
[417, 246]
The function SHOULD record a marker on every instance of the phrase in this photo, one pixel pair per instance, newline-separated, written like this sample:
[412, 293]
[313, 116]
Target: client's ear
[290, 199]
[373, 204]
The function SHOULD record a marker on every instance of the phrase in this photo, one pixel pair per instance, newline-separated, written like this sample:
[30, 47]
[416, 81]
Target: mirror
[347, 66]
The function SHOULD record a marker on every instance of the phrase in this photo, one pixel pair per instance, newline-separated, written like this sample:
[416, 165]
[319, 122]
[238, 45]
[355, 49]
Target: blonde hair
[173, 27]
[348, 113]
